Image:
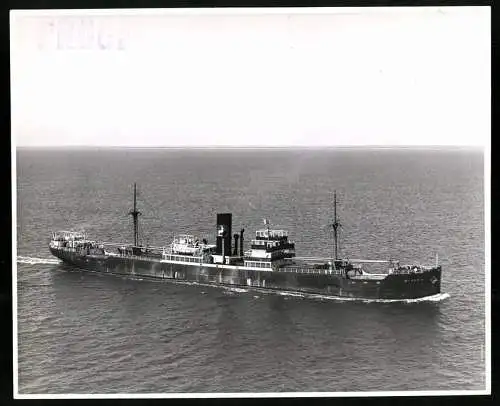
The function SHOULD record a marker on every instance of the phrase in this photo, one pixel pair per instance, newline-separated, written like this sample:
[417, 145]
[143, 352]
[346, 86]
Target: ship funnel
[224, 221]
[235, 252]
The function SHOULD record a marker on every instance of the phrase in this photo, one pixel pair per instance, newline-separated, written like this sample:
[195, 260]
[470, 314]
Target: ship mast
[135, 215]
[335, 225]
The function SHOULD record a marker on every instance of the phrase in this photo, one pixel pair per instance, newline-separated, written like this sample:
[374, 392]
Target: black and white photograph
[251, 202]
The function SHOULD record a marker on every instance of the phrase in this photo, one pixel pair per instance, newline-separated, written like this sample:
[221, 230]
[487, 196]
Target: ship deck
[302, 266]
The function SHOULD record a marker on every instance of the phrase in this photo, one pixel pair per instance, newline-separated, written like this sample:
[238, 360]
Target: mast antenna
[135, 215]
[335, 225]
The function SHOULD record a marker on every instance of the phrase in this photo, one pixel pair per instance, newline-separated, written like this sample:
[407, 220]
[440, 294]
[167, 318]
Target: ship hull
[395, 286]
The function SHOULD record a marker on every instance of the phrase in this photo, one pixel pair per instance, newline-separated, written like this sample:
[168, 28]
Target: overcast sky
[343, 77]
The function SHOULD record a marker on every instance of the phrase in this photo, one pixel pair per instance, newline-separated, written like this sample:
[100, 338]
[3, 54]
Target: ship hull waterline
[394, 286]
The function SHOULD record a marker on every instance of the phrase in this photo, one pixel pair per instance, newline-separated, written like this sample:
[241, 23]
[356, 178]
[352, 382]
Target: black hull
[395, 286]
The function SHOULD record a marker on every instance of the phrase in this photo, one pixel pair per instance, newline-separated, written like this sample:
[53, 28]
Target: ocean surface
[81, 333]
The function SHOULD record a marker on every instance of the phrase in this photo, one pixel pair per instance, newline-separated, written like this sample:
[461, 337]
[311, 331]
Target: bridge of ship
[271, 234]
[186, 239]
[70, 235]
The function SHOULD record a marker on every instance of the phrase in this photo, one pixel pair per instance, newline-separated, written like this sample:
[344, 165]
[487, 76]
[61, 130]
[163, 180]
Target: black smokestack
[241, 241]
[223, 233]
[235, 252]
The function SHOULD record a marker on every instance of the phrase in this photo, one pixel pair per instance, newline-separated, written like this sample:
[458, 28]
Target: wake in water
[231, 290]
[36, 261]
[236, 290]
[434, 298]
[293, 294]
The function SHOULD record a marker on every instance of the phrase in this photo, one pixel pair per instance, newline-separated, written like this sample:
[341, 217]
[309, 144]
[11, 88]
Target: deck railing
[182, 258]
[310, 271]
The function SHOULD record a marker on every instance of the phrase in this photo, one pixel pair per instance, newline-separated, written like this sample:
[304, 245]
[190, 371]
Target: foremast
[135, 215]
[335, 226]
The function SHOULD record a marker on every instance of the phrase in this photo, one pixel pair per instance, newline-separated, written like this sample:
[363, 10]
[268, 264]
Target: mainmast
[335, 225]
[135, 215]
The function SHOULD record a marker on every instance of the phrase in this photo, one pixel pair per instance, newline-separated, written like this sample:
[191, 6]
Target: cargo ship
[269, 263]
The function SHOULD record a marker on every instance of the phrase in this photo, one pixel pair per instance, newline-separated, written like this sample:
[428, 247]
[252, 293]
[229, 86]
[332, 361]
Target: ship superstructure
[270, 249]
[269, 262]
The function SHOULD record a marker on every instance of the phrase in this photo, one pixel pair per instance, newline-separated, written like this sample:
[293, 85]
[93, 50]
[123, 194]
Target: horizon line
[252, 147]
